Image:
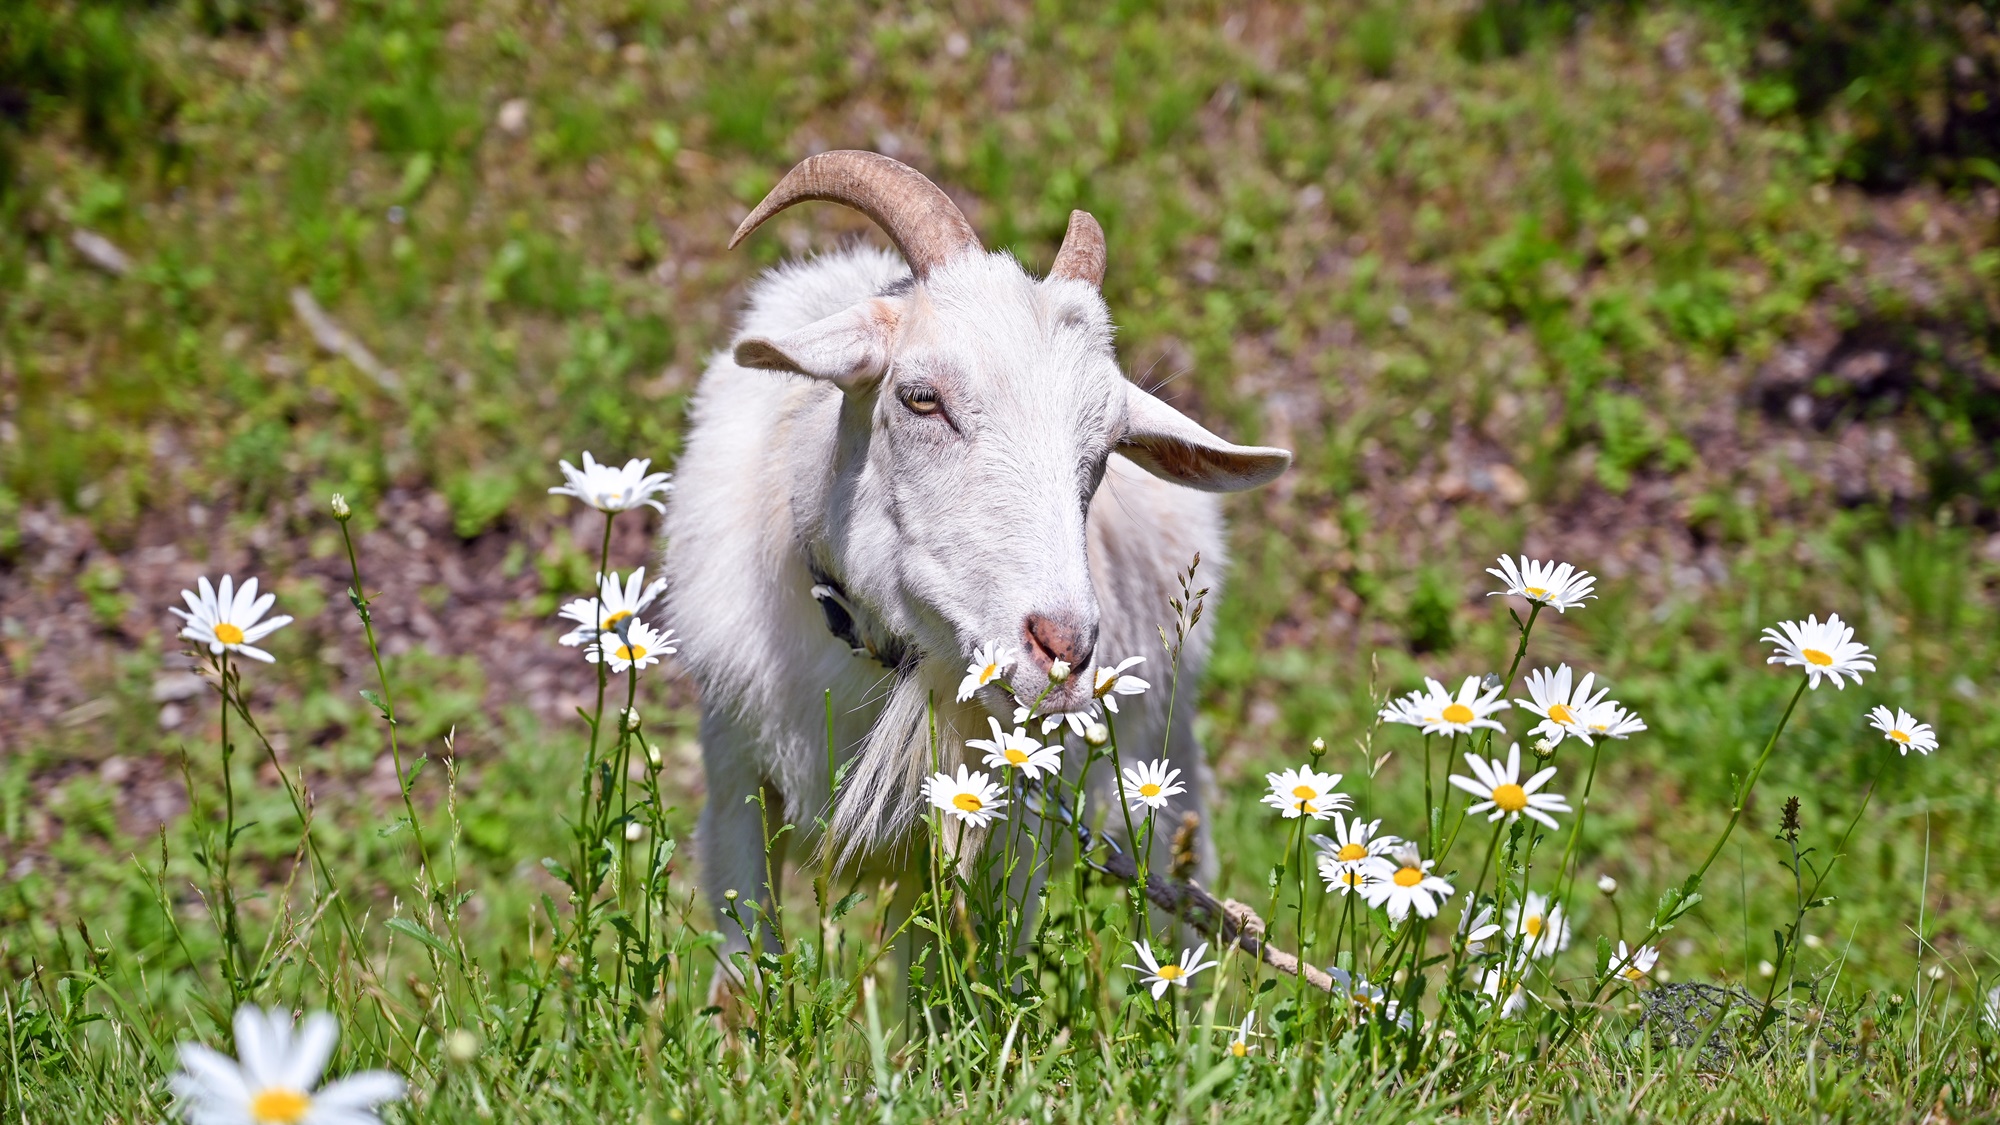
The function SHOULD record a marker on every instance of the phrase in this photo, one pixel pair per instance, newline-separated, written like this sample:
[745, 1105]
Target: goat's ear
[1169, 445]
[849, 348]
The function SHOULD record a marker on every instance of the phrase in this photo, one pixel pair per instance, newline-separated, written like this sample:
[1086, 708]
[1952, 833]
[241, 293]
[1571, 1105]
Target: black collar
[844, 621]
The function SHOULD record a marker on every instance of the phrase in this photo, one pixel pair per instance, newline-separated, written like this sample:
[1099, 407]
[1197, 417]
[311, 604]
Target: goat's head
[979, 408]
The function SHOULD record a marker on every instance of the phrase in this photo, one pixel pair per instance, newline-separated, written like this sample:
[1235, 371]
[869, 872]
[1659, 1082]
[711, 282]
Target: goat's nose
[1050, 638]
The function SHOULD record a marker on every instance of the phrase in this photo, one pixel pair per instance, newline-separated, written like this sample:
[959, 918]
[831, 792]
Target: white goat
[904, 460]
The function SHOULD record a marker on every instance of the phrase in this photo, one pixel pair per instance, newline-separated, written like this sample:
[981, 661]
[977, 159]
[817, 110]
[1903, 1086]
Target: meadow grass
[1549, 298]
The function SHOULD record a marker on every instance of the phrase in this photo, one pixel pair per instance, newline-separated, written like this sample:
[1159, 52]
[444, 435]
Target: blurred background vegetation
[1703, 297]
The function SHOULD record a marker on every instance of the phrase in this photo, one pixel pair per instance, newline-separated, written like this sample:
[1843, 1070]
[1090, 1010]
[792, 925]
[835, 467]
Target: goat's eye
[921, 400]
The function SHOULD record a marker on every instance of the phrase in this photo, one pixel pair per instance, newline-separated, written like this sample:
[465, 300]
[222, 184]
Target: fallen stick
[1228, 922]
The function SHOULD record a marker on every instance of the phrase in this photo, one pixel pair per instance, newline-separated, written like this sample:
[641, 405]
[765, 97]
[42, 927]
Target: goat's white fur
[757, 488]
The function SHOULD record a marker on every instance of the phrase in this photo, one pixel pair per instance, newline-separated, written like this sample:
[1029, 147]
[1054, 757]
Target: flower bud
[460, 1045]
[341, 511]
[1607, 884]
[630, 717]
[1318, 748]
[634, 832]
[653, 756]
[1097, 734]
[1059, 671]
[1544, 749]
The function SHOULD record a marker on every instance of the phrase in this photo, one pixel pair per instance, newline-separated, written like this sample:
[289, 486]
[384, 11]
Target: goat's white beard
[881, 801]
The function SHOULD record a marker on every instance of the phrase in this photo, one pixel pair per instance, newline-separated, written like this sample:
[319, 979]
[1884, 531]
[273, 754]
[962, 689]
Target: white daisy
[971, 797]
[1500, 979]
[1113, 682]
[1353, 878]
[1634, 966]
[1304, 792]
[633, 644]
[1545, 931]
[1822, 648]
[1478, 928]
[1353, 842]
[1240, 1045]
[1551, 583]
[610, 489]
[1410, 710]
[614, 603]
[987, 666]
[1017, 751]
[1149, 784]
[1500, 788]
[274, 1083]
[1443, 713]
[1368, 1000]
[1611, 720]
[1563, 712]
[1079, 721]
[226, 620]
[1408, 885]
[1903, 729]
[1160, 976]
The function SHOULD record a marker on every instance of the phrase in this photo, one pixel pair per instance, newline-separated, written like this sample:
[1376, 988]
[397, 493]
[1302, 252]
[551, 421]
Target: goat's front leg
[731, 840]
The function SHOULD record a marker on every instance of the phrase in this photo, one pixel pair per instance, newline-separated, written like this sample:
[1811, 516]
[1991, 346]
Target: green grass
[1443, 254]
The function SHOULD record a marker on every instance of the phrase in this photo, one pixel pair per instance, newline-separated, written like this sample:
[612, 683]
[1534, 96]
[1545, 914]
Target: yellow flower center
[612, 621]
[1899, 736]
[987, 673]
[1533, 925]
[1352, 878]
[634, 653]
[1815, 656]
[1149, 790]
[1169, 972]
[1409, 877]
[1458, 713]
[1510, 797]
[1348, 853]
[279, 1106]
[1015, 756]
[969, 802]
[1535, 591]
[1561, 714]
[1239, 1048]
[1304, 792]
[228, 634]
[1631, 972]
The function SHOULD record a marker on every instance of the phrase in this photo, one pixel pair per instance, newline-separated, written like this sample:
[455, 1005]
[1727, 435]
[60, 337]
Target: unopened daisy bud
[1544, 749]
[460, 1045]
[1607, 884]
[341, 511]
[1097, 734]
[634, 832]
[1766, 969]
[1318, 748]
[630, 717]
[729, 895]
[1059, 671]
[653, 756]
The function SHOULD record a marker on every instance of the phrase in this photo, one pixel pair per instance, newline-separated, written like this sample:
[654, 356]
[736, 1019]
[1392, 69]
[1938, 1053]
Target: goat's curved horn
[915, 213]
[1082, 253]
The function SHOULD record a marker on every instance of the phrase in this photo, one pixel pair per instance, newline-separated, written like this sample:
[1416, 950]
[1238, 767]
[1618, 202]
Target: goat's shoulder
[1143, 533]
